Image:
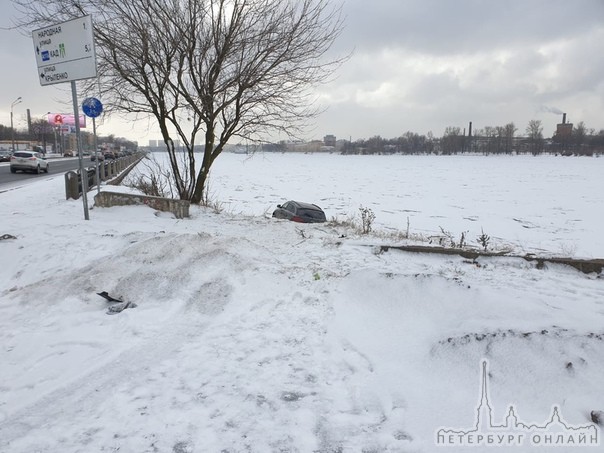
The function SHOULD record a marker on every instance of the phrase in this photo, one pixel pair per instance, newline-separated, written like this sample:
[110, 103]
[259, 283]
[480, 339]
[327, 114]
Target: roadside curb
[586, 266]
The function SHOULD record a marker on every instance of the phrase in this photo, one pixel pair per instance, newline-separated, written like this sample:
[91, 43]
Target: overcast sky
[417, 65]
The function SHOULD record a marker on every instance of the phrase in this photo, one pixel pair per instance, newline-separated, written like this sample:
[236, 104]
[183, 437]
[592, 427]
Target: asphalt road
[59, 165]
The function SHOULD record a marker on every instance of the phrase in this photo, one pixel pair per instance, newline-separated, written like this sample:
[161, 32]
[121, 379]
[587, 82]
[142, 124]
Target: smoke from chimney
[554, 110]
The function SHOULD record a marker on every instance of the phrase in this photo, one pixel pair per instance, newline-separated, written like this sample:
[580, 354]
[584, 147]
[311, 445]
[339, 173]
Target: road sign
[58, 119]
[65, 52]
[92, 107]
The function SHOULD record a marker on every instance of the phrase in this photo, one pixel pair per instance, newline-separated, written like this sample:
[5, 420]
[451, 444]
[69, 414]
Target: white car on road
[28, 161]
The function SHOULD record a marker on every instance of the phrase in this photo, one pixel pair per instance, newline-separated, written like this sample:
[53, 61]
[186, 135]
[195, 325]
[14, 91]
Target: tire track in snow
[78, 398]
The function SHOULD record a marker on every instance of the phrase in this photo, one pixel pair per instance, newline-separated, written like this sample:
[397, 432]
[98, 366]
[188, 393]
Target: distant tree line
[573, 140]
[44, 134]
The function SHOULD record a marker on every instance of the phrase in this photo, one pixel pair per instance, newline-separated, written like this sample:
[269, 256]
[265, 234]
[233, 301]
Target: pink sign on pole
[65, 119]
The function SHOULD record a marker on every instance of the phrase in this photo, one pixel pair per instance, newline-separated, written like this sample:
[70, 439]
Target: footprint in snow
[292, 396]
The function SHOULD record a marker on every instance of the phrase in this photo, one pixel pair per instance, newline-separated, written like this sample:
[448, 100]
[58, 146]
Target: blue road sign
[92, 107]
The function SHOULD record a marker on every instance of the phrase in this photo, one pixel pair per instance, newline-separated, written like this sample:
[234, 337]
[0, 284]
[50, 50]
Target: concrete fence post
[91, 176]
[71, 185]
[102, 174]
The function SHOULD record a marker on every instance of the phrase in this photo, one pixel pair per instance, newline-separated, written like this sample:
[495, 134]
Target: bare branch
[209, 69]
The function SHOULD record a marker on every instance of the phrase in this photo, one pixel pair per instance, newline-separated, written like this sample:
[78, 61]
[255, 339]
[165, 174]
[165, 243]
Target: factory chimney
[564, 118]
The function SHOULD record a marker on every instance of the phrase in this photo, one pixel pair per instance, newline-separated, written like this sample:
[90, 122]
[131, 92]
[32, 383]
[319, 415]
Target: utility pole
[12, 129]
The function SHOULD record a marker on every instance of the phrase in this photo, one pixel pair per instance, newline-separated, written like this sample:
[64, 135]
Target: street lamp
[17, 101]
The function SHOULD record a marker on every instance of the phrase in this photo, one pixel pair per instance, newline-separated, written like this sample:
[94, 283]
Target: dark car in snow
[299, 212]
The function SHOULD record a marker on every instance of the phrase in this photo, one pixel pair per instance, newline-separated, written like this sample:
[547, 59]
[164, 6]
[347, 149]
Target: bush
[367, 218]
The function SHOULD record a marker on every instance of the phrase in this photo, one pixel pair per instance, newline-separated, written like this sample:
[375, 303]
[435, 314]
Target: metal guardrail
[107, 170]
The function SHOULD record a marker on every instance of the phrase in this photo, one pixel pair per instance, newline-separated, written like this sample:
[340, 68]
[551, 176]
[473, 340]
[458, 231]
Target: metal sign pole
[65, 52]
[92, 108]
[83, 175]
[96, 157]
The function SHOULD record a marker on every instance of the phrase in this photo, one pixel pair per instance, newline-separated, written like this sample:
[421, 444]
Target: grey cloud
[419, 65]
[467, 26]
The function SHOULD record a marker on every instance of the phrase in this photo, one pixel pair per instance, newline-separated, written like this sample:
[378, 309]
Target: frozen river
[545, 204]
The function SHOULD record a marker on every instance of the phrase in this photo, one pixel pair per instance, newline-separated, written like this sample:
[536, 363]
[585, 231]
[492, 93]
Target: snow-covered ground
[540, 204]
[252, 334]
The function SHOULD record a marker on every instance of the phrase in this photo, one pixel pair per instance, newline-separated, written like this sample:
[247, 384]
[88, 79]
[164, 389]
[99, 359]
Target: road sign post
[92, 108]
[83, 172]
[65, 53]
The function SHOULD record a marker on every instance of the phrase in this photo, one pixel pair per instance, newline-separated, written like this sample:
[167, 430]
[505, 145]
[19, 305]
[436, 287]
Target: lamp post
[12, 129]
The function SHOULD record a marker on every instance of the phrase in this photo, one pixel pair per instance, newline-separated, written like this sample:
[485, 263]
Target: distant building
[313, 146]
[564, 129]
[329, 140]
[159, 146]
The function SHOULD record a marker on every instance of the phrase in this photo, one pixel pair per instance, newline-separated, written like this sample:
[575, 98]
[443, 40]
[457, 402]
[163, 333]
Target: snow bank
[253, 334]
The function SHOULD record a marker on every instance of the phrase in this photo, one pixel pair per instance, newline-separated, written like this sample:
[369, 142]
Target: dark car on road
[4, 155]
[299, 212]
[97, 156]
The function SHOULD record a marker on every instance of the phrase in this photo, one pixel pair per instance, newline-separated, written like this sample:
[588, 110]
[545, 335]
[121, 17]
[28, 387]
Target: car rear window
[23, 154]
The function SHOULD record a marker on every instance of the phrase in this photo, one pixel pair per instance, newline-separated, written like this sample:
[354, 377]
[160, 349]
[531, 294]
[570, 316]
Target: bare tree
[579, 136]
[206, 70]
[534, 132]
[509, 131]
[42, 131]
[452, 140]
[496, 140]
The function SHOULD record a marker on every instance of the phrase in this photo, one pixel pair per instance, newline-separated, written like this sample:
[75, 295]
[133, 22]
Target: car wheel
[38, 170]
[12, 170]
